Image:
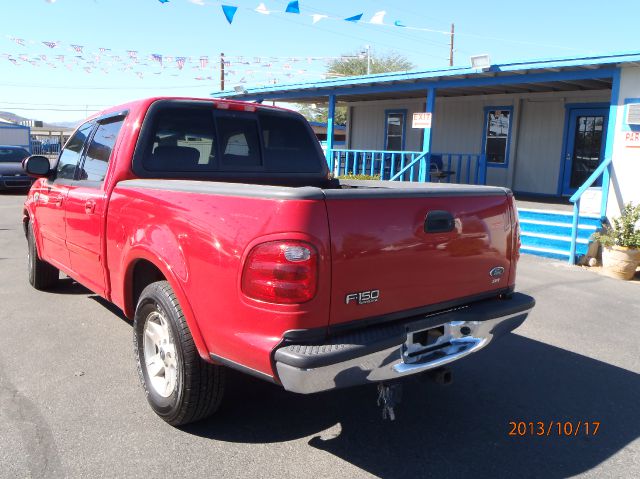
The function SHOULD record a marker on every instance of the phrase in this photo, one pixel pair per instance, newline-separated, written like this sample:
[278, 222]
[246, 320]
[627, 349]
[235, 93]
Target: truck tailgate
[391, 251]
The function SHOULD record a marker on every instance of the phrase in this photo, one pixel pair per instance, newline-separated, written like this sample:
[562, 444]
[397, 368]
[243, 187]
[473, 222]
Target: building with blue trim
[555, 128]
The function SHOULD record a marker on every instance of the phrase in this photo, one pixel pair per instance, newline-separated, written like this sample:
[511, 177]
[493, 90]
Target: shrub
[625, 230]
[351, 176]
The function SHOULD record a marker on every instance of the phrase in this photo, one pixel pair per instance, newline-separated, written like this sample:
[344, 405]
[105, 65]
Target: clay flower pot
[620, 262]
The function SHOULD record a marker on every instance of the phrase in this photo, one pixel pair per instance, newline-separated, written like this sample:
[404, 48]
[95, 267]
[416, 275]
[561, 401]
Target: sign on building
[632, 139]
[421, 120]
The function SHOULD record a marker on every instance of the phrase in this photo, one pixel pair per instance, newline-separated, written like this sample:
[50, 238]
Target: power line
[362, 39]
[48, 109]
[61, 87]
[51, 104]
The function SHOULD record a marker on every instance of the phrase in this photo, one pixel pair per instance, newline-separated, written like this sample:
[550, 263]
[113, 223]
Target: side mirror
[37, 166]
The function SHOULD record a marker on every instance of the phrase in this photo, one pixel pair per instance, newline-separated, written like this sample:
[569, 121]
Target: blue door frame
[573, 113]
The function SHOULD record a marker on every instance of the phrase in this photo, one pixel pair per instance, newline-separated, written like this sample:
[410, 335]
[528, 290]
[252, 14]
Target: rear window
[287, 142]
[200, 139]
[12, 155]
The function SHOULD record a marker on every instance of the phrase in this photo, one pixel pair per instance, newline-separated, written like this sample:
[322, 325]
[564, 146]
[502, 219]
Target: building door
[585, 145]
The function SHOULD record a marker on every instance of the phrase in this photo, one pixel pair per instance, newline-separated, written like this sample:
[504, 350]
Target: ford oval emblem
[496, 272]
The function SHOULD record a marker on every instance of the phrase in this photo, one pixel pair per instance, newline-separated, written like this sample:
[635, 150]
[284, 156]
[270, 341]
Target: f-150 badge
[363, 297]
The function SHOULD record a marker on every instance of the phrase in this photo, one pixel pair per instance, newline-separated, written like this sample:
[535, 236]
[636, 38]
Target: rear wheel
[42, 275]
[180, 386]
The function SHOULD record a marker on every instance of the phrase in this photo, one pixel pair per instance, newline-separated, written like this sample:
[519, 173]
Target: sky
[56, 82]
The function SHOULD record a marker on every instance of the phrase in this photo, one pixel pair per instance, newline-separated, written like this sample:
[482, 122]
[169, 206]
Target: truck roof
[143, 104]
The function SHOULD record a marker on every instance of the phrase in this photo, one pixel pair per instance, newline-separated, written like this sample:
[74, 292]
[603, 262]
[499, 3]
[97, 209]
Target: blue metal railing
[603, 170]
[466, 168]
[373, 162]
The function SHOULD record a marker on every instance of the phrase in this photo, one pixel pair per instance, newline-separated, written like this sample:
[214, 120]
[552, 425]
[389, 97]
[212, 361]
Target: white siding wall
[538, 124]
[625, 178]
[366, 127]
[539, 147]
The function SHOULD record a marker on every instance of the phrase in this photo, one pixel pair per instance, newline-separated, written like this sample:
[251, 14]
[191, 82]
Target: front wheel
[42, 275]
[180, 386]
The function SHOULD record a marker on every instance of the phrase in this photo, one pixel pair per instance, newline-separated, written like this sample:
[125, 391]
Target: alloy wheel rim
[160, 359]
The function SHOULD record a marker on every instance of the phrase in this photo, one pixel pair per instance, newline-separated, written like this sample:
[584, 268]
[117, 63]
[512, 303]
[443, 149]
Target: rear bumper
[390, 352]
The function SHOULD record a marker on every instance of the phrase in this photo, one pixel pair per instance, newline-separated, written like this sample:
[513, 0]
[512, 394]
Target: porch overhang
[586, 73]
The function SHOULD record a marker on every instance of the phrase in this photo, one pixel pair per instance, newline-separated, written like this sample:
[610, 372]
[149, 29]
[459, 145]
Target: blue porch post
[330, 127]
[611, 134]
[426, 141]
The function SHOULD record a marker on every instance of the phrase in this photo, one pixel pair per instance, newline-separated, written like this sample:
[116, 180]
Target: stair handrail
[575, 199]
[415, 160]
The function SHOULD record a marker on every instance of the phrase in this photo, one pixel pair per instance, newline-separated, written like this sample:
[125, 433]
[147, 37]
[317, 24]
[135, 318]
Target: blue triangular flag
[354, 19]
[293, 7]
[229, 12]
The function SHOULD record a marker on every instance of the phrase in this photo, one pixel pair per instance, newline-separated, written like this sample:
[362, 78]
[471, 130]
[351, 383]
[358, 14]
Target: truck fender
[29, 216]
[141, 253]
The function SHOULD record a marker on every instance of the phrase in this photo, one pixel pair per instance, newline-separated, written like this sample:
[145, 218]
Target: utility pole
[451, 44]
[368, 47]
[222, 72]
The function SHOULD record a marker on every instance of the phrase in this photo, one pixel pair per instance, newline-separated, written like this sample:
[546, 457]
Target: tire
[180, 386]
[42, 275]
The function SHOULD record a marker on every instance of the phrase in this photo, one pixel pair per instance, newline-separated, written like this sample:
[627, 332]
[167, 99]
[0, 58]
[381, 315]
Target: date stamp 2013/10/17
[553, 428]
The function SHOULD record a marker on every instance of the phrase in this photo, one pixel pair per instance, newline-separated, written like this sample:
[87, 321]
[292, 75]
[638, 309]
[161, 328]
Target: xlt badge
[363, 297]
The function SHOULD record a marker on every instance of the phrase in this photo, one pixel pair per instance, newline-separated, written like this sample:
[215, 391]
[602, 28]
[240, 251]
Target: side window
[72, 152]
[394, 130]
[496, 141]
[96, 160]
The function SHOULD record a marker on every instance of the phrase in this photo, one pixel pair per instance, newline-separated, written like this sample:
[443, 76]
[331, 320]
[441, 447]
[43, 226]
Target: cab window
[72, 152]
[94, 167]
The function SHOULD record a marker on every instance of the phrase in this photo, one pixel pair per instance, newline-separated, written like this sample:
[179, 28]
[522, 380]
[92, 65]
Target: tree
[356, 64]
[353, 65]
[321, 113]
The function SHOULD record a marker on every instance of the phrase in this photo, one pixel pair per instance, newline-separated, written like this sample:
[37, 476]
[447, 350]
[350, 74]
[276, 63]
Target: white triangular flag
[317, 17]
[378, 18]
[262, 8]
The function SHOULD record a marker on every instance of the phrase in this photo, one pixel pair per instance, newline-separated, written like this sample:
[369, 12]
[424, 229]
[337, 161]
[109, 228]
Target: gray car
[12, 176]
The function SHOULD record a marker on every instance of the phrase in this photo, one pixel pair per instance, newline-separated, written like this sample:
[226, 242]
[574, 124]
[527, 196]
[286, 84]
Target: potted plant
[621, 244]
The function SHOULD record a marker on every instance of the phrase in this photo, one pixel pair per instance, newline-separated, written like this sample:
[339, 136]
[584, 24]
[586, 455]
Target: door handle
[90, 207]
[439, 222]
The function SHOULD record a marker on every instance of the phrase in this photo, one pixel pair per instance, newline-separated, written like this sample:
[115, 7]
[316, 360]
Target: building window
[497, 129]
[394, 127]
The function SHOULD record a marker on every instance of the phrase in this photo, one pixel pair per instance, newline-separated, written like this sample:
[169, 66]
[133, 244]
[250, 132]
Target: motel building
[563, 134]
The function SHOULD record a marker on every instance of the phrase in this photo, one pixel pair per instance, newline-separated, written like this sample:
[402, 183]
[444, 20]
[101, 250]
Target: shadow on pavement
[111, 307]
[457, 430]
[17, 192]
[68, 286]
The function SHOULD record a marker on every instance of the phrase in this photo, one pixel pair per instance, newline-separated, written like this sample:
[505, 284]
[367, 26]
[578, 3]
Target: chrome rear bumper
[391, 352]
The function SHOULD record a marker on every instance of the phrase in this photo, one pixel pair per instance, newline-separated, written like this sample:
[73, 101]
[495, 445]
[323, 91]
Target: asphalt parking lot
[71, 405]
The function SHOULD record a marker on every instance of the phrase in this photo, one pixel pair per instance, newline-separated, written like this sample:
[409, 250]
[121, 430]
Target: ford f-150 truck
[217, 228]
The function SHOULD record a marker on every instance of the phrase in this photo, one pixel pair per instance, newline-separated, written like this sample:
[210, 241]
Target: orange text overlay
[553, 428]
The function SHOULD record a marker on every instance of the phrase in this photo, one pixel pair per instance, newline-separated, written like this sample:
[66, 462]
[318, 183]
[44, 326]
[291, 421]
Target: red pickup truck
[217, 227]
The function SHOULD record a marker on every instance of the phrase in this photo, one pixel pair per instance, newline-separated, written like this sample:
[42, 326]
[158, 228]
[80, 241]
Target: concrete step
[546, 252]
[555, 228]
[553, 242]
[563, 217]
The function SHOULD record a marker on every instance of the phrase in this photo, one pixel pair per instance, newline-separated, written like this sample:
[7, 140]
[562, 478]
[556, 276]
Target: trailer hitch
[389, 396]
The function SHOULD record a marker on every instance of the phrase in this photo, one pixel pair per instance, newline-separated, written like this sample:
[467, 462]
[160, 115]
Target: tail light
[515, 222]
[282, 272]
